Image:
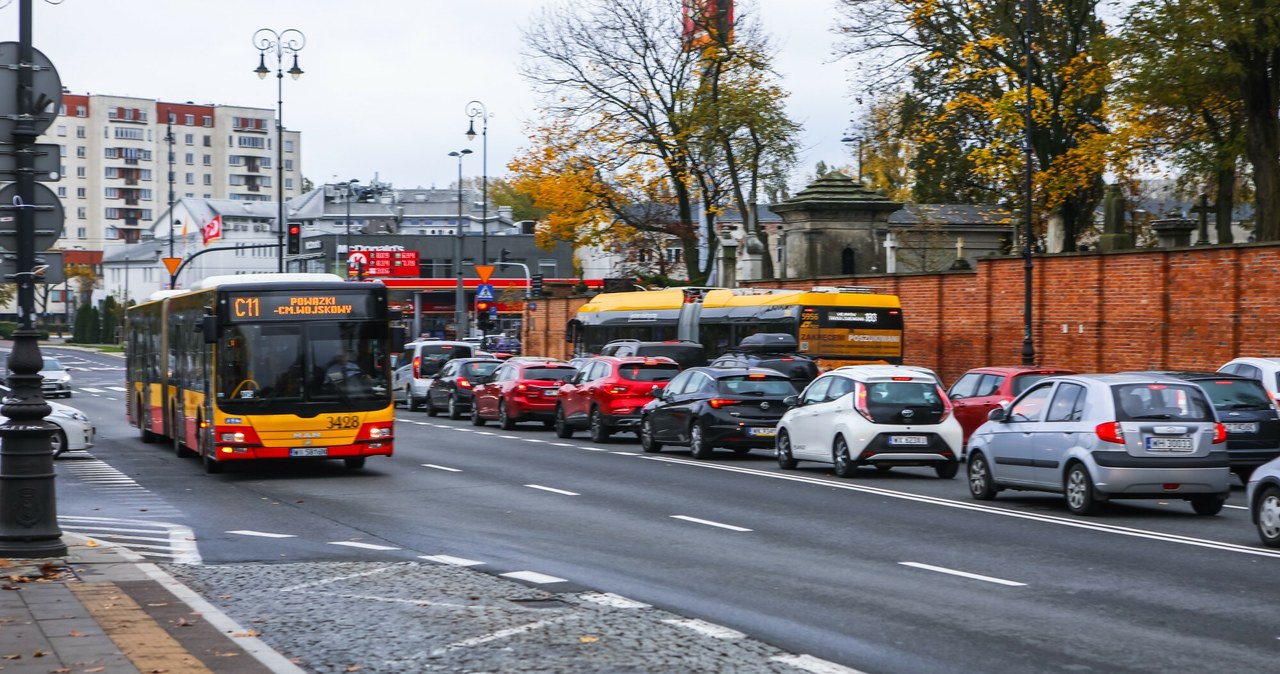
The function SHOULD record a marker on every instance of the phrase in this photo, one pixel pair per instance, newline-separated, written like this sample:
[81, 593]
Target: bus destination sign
[288, 306]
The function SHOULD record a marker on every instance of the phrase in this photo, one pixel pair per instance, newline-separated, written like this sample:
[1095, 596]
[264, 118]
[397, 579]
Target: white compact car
[871, 415]
[75, 431]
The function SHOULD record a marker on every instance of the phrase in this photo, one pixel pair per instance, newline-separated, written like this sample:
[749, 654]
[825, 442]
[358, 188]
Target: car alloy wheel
[698, 445]
[476, 419]
[647, 443]
[563, 430]
[58, 443]
[843, 463]
[1268, 510]
[1081, 497]
[982, 485]
[504, 416]
[455, 410]
[598, 431]
[782, 451]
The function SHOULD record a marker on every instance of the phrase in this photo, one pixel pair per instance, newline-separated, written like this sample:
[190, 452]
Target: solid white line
[815, 665]
[532, 577]
[363, 546]
[564, 444]
[263, 534]
[978, 507]
[706, 629]
[485, 433]
[963, 574]
[708, 523]
[533, 440]
[92, 390]
[509, 437]
[116, 388]
[555, 491]
[452, 561]
[626, 453]
[591, 449]
[451, 470]
[1236, 507]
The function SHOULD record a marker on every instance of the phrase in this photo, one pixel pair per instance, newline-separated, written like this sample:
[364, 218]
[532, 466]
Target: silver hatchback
[1095, 438]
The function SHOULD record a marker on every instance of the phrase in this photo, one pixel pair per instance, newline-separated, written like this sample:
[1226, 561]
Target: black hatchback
[451, 389]
[708, 407]
[1246, 410]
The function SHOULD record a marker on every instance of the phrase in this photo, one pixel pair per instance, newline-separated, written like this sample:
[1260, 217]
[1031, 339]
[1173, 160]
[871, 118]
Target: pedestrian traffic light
[294, 246]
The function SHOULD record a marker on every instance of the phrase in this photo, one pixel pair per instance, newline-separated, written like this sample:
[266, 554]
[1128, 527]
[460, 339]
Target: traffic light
[482, 315]
[294, 244]
[535, 285]
[505, 256]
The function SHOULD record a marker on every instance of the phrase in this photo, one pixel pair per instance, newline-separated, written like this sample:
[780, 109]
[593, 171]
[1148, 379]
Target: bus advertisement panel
[271, 366]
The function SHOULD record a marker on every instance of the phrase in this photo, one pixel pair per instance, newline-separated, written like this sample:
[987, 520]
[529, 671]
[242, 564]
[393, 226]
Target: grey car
[1263, 496]
[1094, 438]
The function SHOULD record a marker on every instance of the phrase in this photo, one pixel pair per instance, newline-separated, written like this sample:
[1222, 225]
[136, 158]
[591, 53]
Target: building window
[82, 151]
[288, 183]
[191, 178]
[288, 146]
[81, 214]
[62, 150]
[62, 129]
[252, 141]
[208, 179]
[208, 160]
[62, 192]
[173, 118]
[191, 159]
[80, 231]
[81, 193]
[189, 120]
[80, 132]
[288, 164]
[80, 172]
[208, 121]
[189, 138]
[129, 133]
[113, 113]
[82, 111]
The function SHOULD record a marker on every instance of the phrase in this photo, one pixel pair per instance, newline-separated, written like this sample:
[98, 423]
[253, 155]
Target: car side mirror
[998, 414]
[791, 401]
[658, 392]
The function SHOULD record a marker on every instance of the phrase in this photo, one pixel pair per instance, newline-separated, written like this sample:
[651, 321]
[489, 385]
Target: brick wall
[1186, 308]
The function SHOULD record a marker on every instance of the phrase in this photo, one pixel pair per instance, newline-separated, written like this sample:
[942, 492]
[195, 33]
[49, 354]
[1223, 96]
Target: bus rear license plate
[767, 432]
[309, 451]
[912, 440]
[1242, 427]
[1169, 444]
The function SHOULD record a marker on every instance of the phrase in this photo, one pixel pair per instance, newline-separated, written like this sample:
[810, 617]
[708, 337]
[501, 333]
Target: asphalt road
[891, 572]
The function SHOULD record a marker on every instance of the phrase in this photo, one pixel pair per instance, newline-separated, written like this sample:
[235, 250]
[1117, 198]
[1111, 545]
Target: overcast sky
[387, 81]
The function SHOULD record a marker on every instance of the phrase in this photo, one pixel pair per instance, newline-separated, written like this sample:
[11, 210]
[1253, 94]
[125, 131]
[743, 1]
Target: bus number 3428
[344, 421]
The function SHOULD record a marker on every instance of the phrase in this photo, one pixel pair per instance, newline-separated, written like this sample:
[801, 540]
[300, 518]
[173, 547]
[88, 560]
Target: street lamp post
[168, 138]
[291, 41]
[459, 294]
[1028, 346]
[850, 139]
[350, 188]
[477, 109]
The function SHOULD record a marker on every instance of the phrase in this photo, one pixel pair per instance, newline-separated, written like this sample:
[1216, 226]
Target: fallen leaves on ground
[183, 622]
[589, 639]
[246, 633]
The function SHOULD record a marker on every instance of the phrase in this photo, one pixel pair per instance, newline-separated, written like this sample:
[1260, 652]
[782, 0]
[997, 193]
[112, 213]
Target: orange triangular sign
[484, 271]
[172, 264]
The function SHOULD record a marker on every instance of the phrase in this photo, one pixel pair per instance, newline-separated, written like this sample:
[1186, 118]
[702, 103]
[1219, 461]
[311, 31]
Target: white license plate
[551, 392]
[763, 432]
[309, 451]
[1250, 427]
[1169, 443]
[914, 440]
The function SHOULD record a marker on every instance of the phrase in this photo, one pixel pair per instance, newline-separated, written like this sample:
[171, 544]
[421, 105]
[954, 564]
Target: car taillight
[522, 388]
[717, 403]
[617, 390]
[1112, 432]
[417, 367]
[946, 405]
[860, 401]
[1219, 434]
[462, 382]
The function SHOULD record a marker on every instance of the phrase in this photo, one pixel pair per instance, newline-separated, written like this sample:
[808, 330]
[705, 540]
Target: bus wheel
[354, 462]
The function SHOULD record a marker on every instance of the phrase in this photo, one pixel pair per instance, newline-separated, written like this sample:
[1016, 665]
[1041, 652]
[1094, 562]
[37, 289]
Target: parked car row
[1090, 437]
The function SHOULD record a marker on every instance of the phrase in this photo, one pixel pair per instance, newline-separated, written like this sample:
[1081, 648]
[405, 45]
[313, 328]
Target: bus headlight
[379, 432]
[232, 437]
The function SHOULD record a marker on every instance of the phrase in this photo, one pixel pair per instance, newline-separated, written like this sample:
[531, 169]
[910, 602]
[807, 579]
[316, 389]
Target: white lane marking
[552, 490]
[451, 470]
[708, 523]
[452, 561]
[963, 574]
[92, 390]
[977, 507]
[509, 437]
[814, 665]
[501, 634]
[362, 546]
[626, 453]
[706, 629]
[591, 449]
[532, 577]
[485, 433]
[338, 579]
[563, 444]
[116, 388]
[1236, 507]
[533, 440]
[263, 534]
[612, 600]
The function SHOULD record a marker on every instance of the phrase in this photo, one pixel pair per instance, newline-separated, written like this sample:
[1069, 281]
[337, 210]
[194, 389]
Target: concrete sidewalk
[104, 609]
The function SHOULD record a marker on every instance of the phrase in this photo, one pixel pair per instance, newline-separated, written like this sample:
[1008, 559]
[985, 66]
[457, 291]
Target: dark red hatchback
[983, 389]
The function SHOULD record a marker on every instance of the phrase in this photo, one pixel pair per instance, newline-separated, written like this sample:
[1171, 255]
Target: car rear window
[685, 355]
[1236, 394]
[481, 369]
[655, 372]
[439, 352]
[549, 373]
[762, 386]
[903, 393]
[1022, 382]
[1138, 402]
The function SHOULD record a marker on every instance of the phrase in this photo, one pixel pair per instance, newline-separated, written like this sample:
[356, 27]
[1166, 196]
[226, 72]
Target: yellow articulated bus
[834, 325]
[264, 366]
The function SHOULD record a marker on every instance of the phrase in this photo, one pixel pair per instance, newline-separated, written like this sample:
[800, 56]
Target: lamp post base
[28, 498]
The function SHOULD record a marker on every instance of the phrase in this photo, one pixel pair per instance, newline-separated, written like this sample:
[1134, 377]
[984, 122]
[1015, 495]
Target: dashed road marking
[552, 490]
[612, 600]
[363, 546]
[452, 561]
[533, 577]
[709, 523]
[451, 470]
[963, 574]
[814, 665]
[262, 534]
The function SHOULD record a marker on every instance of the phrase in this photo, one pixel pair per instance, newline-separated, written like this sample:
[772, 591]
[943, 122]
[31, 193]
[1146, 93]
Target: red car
[521, 389]
[607, 394]
[983, 389]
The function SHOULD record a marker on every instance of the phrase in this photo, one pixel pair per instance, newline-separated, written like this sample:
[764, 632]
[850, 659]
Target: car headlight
[73, 414]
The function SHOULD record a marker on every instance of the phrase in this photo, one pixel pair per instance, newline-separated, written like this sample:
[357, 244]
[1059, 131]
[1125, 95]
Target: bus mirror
[571, 330]
[209, 325]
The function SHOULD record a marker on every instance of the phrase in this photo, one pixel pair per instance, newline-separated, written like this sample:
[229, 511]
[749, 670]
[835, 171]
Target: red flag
[212, 231]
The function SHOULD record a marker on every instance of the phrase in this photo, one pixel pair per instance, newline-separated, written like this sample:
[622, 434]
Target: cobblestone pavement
[411, 617]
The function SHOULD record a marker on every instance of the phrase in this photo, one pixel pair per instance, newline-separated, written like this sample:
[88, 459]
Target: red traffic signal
[482, 305]
[294, 239]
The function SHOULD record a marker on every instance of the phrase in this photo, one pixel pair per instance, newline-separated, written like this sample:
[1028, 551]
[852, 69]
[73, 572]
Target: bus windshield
[263, 365]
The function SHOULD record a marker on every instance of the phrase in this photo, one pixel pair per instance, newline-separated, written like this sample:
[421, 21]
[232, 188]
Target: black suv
[684, 352]
[773, 350]
[1246, 409]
